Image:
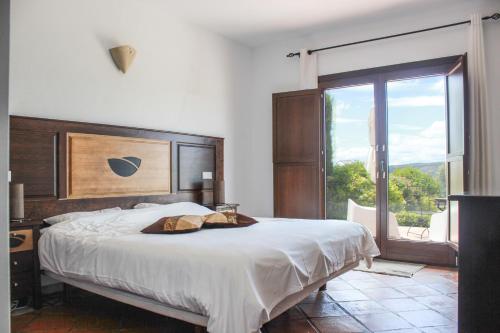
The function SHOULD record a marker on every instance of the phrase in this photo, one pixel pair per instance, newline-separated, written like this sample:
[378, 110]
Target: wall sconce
[123, 56]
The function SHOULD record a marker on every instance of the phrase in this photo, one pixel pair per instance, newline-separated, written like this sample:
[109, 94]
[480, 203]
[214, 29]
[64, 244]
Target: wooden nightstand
[24, 263]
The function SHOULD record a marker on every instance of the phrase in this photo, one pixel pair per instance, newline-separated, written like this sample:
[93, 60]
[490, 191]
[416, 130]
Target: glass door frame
[396, 249]
[346, 80]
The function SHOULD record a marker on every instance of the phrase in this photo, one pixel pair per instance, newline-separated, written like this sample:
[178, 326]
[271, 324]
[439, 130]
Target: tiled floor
[354, 302]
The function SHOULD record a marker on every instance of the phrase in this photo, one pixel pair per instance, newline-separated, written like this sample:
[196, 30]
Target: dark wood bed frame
[38, 160]
[38, 149]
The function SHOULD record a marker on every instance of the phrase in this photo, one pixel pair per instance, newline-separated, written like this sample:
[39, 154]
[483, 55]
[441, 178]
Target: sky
[416, 121]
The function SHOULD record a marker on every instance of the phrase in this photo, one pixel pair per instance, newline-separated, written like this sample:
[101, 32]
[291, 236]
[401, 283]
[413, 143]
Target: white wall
[187, 79]
[183, 78]
[4, 153]
[273, 72]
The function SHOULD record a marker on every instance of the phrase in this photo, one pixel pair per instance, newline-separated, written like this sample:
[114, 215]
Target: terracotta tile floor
[354, 302]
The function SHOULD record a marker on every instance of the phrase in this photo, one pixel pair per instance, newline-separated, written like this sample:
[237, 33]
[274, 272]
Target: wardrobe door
[297, 154]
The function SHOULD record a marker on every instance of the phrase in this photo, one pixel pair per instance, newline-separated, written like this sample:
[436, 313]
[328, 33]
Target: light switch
[206, 175]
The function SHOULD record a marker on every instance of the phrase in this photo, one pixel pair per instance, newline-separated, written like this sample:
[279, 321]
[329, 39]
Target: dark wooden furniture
[24, 265]
[298, 155]
[38, 159]
[478, 263]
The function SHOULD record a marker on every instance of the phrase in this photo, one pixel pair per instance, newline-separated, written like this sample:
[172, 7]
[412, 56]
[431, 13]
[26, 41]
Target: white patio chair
[367, 216]
[438, 229]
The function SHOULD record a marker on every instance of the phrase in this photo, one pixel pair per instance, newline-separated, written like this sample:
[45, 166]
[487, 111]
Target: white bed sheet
[235, 277]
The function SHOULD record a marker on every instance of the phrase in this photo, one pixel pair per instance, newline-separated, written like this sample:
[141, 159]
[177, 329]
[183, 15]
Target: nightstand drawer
[21, 240]
[21, 262]
[21, 285]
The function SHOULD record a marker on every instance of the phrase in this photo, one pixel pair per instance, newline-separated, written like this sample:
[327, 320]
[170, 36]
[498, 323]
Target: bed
[229, 280]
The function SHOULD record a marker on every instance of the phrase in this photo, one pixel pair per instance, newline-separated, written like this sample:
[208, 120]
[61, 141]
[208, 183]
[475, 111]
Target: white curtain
[308, 70]
[481, 173]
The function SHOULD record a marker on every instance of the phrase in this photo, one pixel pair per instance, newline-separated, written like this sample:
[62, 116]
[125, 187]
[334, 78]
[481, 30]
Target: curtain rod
[495, 16]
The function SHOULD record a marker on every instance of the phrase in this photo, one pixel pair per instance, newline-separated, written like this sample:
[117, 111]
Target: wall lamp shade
[17, 201]
[123, 56]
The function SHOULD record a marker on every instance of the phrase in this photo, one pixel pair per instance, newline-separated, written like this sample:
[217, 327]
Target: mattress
[235, 277]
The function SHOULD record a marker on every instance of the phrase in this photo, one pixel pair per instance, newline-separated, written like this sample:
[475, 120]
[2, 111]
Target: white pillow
[182, 208]
[74, 215]
[145, 205]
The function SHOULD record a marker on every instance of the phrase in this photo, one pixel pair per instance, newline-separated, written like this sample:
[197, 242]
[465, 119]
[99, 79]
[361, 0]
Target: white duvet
[235, 277]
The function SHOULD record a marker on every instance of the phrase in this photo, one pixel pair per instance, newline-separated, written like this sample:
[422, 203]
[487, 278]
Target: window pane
[416, 159]
[350, 154]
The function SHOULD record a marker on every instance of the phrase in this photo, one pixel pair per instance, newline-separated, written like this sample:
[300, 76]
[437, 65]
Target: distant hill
[432, 169]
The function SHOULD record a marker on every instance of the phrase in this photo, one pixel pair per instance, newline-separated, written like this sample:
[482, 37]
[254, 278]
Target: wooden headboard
[38, 149]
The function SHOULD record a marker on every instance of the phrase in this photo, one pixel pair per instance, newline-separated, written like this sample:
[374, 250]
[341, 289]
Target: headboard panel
[38, 160]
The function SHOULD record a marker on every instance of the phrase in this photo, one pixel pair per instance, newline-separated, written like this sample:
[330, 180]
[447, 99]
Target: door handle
[382, 168]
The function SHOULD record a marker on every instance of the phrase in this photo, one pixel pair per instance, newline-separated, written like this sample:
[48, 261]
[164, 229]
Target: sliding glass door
[350, 158]
[416, 158]
[387, 157]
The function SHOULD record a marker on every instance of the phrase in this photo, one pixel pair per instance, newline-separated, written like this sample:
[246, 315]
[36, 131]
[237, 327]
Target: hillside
[434, 169]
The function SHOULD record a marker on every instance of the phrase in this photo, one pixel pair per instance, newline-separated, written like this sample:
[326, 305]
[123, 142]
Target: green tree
[396, 199]
[348, 181]
[419, 189]
[442, 179]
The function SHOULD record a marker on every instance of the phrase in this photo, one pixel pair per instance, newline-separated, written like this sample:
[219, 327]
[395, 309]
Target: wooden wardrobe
[298, 156]
[478, 263]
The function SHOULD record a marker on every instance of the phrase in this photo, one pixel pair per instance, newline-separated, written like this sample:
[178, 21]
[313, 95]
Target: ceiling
[255, 22]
